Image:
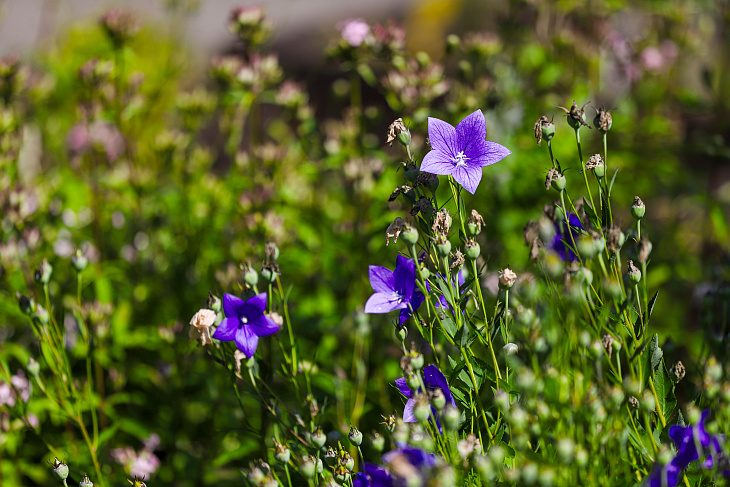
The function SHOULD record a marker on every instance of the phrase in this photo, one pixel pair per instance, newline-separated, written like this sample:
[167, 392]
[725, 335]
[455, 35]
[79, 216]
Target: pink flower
[354, 31]
[652, 59]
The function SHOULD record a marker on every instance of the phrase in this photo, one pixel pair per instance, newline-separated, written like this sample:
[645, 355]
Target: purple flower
[245, 322]
[406, 466]
[394, 289]
[374, 476]
[433, 379]
[671, 470]
[354, 31]
[562, 242]
[688, 439]
[461, 152]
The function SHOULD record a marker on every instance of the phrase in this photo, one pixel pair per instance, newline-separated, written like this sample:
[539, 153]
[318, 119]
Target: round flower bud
[599, 243]
[496, 454]
[647, 401]
[347, 460]
[472, 250]
[330, 456]
[484, 467]
[444, 248]
[281, 452]
[318, 438]
[451, 417]
[510, 349]
[438, 400]
[586, 246]
[355, 436]
[251, 277]
[612, 288]
[634, 273]
[43, 273]
[214, 302]
[404, 137]
[400, 432]
[269, 274]
[638, 209]
[416, 360]
[529, 473]
[411, 173]
[555, 179]
[472, 229]
[581, 457]
[60, 470]
[501, 399]
[603, 120]
[584, 276]
[85, 482]
[377, 441]
[341, 474]
[79, 261]
[548, 131]
[26, 304]
[422, 408]
[424, 270]
[402, 333]
[507, 278]
[413, 382]
[596, 164]
[410, 235]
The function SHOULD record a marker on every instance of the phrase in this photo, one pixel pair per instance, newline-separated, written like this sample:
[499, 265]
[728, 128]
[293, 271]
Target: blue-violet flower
[245, 322]
[394, 289]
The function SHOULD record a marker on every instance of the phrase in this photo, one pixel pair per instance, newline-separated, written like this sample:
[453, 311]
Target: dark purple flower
[562, 242]
[671, 470]
[245, 322]
[394, 289]
[405, 467]
[463, 151]
[374, 476]
[688, 439]
[433, 379]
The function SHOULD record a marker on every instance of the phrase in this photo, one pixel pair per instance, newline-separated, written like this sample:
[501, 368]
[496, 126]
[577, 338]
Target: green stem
[582, 167]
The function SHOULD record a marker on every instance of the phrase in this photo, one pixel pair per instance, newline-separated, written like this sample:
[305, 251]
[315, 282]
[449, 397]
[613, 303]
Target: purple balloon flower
[670, 470]
[245, 322]
[433, 379]
[394, 289]
[407, 467]
[562, 242]
[463, 151]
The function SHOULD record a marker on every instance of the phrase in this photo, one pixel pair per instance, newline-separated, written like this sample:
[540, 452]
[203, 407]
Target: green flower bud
[586, 247]
[497, 454]
[424, 270]
[318, 438]
[485, 469]
[529, 473]
[548, 131]
[281, 452]
[377, 441]
[638, 209]
[402, 333]
[355, 436]
[413, 382]
[269, 274]
[79, 261]
[647, 401]
[472, 250]
[26, 304]
[346, 460]
[341, 474]
[585, 276]
[400, 432]
[271, 252]
[612, 288]
[43, 273]
[308, 467]
[416, 360]
[634, 273]
[438, 400]
[250, 276]
[411, 173]
[602, 121]
[214, 302]
[410, 235]
[422, 408]
[85, 482]
[404, 137]
[60, 469]
[444, 248]
[451, 417]
[555, 179]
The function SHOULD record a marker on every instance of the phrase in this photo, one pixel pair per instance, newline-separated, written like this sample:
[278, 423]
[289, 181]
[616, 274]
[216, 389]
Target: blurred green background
[169, 170]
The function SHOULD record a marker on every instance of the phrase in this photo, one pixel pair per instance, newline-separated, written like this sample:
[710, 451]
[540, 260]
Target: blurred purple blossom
[562, 242]
[433, 379]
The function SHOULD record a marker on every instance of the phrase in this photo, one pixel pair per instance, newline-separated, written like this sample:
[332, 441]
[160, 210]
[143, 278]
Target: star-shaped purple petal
[394, 289]
[461, 152]
[433, 379]
[245, 322]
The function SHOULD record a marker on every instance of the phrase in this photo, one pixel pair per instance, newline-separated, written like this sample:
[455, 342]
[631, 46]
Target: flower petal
[471, 131]
[405, 276]
[403, 388]
[442, 136]
[435, 379]
[381, 279]
[383, 303]
[437, 162]
[226, 331]
[486, 153]
[258, 302]
[232, 306]
[263, 326]
[408, 416]
[247, 341]
[468, 176]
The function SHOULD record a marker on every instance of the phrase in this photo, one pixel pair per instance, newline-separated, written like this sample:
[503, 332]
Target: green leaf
[665, 390]
[449, 326]
[655, 351]
[610, 187]
[650, 308]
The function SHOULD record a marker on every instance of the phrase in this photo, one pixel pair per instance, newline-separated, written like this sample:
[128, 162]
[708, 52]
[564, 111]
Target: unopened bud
[472, 250]
[638, 209]
[451, 417]
[214, 302]
[79, 260]
[596, 164]
[318, 438]
[438, 399]
[444, 248]
[602, 121]
[422, 408]
[269, 274]
[634, 273]
[271, 252]
[341, 474]
[60, 470]
[85, 482]
[416, 360]
[355, 436]
[250, 276]
[43, 273]
[281, 452]
[377, 441]
[555, 179]
[410, 235]
[26, 304]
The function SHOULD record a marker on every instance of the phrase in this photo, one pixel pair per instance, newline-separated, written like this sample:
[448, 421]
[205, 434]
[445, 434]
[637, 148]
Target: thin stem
[583, 169]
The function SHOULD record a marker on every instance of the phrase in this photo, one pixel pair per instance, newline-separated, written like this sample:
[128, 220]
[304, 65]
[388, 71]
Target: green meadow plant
[196, 291]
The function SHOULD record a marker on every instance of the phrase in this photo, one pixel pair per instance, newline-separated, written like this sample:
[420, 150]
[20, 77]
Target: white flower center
[397, 297]
[244, 320]
[460, 159]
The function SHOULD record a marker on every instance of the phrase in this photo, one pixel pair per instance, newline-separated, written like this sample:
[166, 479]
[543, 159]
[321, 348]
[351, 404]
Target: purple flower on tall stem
[433, 379]
[565, 236]
[245, 322]
[463, 151]
[394, 289]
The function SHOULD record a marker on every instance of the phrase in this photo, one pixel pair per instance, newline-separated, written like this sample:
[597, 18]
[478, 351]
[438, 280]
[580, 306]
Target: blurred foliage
[168, 186]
